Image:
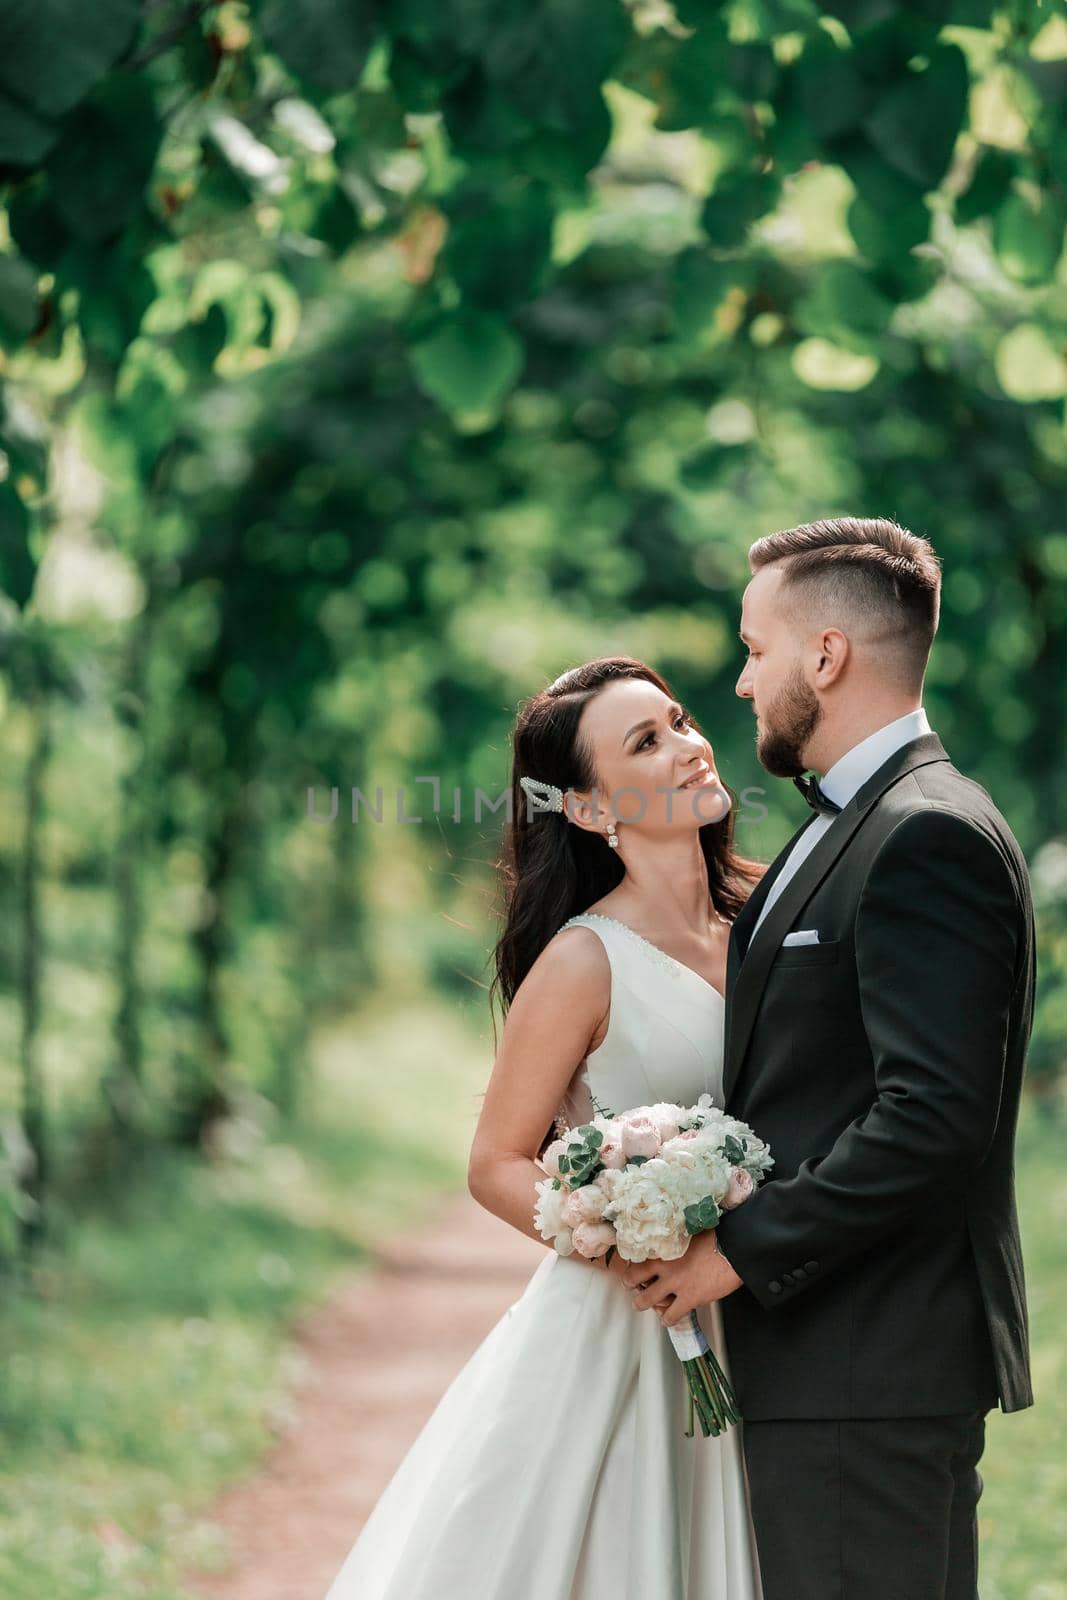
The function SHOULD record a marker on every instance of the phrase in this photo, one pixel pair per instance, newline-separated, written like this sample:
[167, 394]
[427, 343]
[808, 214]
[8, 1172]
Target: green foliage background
[364, 363]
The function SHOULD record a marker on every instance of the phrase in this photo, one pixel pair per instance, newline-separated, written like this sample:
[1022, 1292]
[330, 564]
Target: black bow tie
[809, 788]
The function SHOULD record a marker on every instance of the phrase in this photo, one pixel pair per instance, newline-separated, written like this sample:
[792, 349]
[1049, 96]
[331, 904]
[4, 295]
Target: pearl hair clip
[547, 795]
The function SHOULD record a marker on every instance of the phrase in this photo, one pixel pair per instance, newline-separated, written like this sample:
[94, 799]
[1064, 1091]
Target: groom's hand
[674, 1288]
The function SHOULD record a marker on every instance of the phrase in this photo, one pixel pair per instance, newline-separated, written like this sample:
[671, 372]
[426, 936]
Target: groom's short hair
[866, 570]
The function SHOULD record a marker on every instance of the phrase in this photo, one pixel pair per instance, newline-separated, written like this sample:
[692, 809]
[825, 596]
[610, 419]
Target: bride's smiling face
[655, 769]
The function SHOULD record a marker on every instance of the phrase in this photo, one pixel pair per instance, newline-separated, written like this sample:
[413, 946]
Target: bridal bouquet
[643, 1182]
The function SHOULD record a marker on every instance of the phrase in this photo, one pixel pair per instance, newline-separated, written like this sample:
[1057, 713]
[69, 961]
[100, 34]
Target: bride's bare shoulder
[572, 966]
[575, 951]
[567, 992]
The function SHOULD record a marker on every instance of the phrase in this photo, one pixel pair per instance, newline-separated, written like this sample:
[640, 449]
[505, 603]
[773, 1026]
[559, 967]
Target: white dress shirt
[844, 779]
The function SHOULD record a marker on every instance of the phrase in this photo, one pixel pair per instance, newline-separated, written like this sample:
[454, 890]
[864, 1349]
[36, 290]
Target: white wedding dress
[556, 1465]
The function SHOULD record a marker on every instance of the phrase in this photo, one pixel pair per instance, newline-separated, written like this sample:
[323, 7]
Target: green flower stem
[725, 1389]
[714, 1394]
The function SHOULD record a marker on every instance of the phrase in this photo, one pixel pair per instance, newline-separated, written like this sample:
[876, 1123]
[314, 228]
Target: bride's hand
[619, 1265]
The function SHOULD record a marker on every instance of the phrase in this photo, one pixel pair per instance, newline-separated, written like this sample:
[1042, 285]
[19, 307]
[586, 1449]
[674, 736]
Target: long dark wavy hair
[550, 869]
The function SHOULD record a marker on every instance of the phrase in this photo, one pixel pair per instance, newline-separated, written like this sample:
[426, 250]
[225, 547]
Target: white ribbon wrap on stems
[688, 1338]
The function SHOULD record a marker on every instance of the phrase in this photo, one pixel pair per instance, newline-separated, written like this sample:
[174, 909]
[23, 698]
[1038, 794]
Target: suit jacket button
[811, 1266]
[799, 1274]
[774, 1286]
[787, 1277]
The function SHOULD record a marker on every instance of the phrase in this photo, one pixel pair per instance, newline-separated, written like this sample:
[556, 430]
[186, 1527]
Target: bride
[556, 1465]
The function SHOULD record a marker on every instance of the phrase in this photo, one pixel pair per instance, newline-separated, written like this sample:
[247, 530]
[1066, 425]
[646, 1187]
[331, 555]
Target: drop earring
[613, 838]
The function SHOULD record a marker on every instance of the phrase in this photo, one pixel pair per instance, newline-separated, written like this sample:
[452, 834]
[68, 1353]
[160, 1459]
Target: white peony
[648, 1219]
[548, 1209]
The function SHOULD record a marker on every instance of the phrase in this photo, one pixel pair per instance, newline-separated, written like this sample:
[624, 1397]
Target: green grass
[149, 1367]
[1023, 1511]
[153, 1363]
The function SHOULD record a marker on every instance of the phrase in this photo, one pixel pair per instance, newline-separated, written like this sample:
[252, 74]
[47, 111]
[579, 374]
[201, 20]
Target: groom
[879, 1003]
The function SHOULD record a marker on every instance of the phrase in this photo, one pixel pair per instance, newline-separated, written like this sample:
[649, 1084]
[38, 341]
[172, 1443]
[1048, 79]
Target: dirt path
[363, 1398]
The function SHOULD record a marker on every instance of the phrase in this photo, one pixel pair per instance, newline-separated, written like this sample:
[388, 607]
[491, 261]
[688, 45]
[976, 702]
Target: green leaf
[704, 468]
[114, 292]
[36, 225]
[988, 188]
[886, 238]
[17, 566]
[834, 95]
[886, 47]
[699, 285]
[752, 70]
[18, 299]
[880, 185]
[550, 60]
[499, 241]
[914, 128]
[327, 42]
[52, 52]
[845, 307]
[738, 200]
[680, 75]
[103, 162]
[704, 1215]
[469, 362]
[565, 160]
[1028, 235]
[24, 138]
[1029, 366]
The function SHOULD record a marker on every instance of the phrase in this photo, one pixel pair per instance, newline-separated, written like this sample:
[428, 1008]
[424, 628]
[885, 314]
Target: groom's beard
[786, 727]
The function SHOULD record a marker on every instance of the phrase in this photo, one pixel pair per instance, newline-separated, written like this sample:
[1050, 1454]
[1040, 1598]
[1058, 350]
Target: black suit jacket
[881, 1258]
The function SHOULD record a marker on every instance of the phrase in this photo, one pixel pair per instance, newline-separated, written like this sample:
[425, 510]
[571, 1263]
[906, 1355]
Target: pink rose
[583, 1205]
[550, 1159]
[740, 1187]
[611, 1151]
[640, 1137]
[592, 1239]
[668, 1128]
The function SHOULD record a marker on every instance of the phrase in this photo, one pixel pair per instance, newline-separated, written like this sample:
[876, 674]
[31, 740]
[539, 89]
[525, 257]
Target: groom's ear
[832, 651]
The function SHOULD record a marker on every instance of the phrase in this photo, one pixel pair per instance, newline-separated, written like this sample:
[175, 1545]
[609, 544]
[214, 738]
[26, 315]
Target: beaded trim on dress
[668, 963]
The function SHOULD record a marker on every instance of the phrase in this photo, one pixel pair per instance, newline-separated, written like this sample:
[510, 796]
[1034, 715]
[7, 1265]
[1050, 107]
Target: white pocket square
[802, 936]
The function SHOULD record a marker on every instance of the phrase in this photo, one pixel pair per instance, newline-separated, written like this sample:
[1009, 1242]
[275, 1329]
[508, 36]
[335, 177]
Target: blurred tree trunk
[203, 1096]
[33, 1178]
[124, 1086]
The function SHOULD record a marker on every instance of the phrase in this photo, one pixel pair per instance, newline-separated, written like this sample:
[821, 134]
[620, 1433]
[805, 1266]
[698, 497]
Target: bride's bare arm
[558, 1010]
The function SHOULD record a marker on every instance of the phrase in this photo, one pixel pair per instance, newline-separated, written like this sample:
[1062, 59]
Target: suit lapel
[749, 958]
